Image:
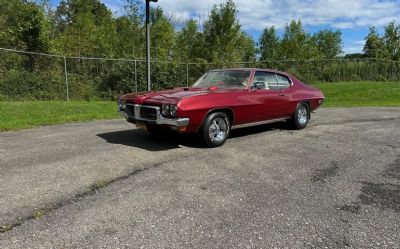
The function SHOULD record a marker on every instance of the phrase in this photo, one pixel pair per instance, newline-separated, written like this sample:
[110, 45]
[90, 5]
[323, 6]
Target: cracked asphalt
[105, 184]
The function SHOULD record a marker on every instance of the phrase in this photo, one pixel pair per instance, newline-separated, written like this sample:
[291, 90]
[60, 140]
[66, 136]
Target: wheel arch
[227, 110]
[308, 104]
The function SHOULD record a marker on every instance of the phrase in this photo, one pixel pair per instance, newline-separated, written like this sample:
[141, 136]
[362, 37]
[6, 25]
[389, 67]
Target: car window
[283, 81]
[224, 79]
[265, 79]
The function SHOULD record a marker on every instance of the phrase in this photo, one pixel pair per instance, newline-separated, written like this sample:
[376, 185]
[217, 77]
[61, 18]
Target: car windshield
[224, 79]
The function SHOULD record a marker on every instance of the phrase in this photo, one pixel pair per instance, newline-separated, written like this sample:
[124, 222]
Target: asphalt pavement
[106, 184]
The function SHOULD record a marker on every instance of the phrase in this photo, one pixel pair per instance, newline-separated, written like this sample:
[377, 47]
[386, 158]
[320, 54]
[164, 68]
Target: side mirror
[258, 85]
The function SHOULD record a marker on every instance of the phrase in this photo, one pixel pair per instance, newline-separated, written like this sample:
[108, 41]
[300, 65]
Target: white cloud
[256, 14]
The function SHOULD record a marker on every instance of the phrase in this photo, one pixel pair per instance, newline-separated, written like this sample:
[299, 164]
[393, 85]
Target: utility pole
[148, 43]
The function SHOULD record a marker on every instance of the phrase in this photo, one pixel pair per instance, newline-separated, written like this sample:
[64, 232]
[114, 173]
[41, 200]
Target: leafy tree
[246, 48]
[162, 35]
[189, 43]
[129, 38]
[269, 43]
[296, 43]
[134, 10]
[391, 41]
[26, 28]
[373, 47]
[222, 33]
[86, 28]
[328, 43]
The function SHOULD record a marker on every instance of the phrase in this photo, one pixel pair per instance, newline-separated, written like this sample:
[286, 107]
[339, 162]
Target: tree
[129, 38]
[391, 41]
[270, 47]
[26, 28]
[222, 33]
[189, 43]
[296, 43]
[246, 48]
[373, 47]
[328, 43]
[85, 28]
[162, 35]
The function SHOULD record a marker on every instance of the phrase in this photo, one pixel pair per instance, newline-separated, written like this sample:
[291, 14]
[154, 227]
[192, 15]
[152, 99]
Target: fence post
[187, 74]
[136, 77]
[66, 77]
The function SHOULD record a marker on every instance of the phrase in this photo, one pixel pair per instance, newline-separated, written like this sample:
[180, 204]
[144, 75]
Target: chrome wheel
[302, 115]
[218, 130]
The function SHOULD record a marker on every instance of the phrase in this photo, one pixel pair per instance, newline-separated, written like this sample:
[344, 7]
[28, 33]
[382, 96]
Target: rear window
[283, 81]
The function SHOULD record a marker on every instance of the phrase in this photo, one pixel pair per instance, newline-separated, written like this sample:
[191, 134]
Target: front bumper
[133, 113]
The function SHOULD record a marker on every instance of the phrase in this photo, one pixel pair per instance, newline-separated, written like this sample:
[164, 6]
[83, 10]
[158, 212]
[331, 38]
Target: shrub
[24, 85]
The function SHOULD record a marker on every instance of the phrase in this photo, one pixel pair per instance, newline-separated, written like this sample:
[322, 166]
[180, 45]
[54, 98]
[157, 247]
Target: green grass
[28, 114]
[353, 94]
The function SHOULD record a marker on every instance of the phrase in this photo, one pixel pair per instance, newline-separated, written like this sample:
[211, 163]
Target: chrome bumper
[159, 118]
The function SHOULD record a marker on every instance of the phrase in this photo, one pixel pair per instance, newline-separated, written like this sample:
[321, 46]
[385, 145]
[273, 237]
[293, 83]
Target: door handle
[281, 94]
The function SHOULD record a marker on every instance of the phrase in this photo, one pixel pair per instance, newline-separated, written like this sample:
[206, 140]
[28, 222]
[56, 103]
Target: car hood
[167, 96]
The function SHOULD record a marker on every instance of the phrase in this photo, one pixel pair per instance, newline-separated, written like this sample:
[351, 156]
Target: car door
[269, 98]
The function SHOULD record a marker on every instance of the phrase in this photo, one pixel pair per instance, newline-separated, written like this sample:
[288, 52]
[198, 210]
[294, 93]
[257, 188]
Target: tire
[155, 130]
[301, 116]
[215, 129]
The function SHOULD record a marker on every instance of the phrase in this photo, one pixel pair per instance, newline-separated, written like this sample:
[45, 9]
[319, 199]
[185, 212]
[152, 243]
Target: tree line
[89, 28]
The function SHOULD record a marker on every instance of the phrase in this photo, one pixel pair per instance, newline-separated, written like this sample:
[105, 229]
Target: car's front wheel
[301, 116]
[215, 129]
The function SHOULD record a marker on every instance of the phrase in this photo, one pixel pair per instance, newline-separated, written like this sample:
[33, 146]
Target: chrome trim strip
[258, 123]
[159, 120]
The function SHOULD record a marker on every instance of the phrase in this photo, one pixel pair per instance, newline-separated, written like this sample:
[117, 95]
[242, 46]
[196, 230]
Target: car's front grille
[130, 110]
[148, 113]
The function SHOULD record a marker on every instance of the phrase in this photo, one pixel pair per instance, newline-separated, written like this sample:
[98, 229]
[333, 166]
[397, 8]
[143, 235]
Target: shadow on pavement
[141, 139]
[259, 129]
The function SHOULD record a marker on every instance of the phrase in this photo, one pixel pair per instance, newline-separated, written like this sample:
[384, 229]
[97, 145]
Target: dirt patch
[393, 169]
[322, 174]
[384, 195]
[353, 208]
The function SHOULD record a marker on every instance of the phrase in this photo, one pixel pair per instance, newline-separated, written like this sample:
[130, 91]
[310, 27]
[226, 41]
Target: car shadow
[141, 139]
[259, 129]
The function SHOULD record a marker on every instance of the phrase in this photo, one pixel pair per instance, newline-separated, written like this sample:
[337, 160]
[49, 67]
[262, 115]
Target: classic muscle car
[222, 100]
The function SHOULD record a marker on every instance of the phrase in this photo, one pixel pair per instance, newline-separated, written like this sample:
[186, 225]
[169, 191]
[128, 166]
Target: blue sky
[351, 17]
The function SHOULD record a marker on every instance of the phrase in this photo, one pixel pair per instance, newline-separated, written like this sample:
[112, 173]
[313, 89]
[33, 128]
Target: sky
[352, 17]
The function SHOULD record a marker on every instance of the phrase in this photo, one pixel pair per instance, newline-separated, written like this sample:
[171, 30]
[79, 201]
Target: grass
[28, 114]
[354, 94]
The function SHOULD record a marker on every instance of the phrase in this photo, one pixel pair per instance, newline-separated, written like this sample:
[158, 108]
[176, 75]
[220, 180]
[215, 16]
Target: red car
[222, 100]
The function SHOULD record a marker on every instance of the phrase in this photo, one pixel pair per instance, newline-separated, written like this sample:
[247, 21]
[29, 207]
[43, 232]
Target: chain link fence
[38, 76]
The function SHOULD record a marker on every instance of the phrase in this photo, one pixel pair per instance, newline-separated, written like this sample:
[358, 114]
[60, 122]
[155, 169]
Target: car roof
[252, 68]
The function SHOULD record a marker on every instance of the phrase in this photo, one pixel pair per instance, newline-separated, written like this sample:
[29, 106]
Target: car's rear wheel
[215, 129]
[301, 116]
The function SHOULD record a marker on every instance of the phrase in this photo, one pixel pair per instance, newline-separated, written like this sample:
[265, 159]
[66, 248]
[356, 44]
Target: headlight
[169, 110]
[165, 110]
[173, 110]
